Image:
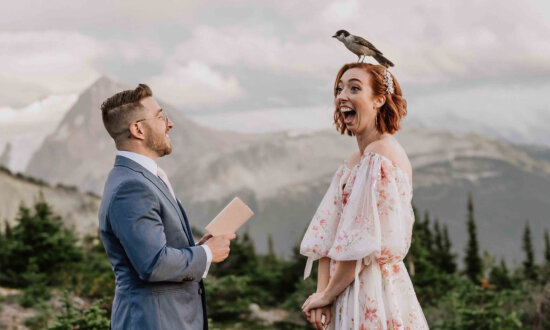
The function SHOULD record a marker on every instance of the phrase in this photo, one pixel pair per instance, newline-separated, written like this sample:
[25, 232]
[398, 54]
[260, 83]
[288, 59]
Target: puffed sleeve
[377, 219]
[319, 236]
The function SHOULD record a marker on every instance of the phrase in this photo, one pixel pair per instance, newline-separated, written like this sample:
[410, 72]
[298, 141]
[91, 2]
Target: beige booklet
[230, 219]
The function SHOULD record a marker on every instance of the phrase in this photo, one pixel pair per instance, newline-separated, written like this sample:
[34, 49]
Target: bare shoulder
[353, 159]
[391, 149]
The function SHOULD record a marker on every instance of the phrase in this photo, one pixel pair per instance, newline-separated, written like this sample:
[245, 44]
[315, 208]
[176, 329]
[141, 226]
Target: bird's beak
[334, 36]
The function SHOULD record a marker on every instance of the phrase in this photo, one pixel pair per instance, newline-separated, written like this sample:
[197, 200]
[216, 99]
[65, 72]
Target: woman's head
[362, 100]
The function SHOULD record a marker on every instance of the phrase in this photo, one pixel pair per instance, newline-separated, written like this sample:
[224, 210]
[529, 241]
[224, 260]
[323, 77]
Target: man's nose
[170, 124]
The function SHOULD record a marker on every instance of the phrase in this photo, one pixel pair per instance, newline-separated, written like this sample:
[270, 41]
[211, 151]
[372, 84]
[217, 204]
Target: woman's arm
[323, 274]
[343, 276]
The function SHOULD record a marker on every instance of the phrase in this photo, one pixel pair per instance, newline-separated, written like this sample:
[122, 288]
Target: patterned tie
[162, 175]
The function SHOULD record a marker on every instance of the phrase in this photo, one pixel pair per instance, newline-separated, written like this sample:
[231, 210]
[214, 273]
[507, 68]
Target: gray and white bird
[361, 47]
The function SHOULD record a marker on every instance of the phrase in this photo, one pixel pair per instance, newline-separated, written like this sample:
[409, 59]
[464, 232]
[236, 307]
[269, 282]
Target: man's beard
[159, 144]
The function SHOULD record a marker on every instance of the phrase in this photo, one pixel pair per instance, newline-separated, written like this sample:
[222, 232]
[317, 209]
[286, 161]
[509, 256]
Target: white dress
[367, 215]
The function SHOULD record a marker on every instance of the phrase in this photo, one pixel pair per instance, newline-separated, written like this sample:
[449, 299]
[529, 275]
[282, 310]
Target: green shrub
[93, 318]
[228, 297]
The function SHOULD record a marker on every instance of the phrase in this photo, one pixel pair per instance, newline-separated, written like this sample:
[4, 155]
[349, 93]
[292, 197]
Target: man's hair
[119, 110]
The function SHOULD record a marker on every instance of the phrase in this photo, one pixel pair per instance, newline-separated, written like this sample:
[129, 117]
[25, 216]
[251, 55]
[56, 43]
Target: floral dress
[367, 215]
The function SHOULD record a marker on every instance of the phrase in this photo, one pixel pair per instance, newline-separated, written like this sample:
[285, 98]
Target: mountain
[283, 176]
[23, 129]
[83, 153]
[78, 210]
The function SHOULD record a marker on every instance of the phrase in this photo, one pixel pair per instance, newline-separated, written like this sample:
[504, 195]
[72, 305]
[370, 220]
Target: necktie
[162, 175]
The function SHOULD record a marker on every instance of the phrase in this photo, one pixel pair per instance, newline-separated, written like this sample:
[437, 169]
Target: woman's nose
[343, 95]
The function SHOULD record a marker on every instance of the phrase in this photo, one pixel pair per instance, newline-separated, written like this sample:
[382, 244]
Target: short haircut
[119, 110]
[388, 118]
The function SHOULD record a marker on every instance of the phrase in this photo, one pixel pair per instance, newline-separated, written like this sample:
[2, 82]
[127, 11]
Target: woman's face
[355, 100]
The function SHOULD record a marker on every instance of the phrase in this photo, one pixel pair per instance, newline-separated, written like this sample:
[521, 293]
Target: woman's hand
[317, 300]
[320, 317]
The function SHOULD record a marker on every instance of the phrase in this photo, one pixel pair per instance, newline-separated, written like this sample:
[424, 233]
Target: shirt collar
[142, 160]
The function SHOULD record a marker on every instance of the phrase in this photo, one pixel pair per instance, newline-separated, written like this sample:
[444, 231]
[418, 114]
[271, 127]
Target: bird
[361, 47]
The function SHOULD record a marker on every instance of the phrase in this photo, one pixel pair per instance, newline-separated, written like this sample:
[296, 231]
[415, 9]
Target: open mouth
[349, 115]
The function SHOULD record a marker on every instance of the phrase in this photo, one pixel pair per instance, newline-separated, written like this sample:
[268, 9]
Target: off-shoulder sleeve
[319, 236]
[377, 219]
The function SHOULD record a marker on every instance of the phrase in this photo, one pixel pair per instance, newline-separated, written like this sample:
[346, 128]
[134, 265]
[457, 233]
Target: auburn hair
[388, 118]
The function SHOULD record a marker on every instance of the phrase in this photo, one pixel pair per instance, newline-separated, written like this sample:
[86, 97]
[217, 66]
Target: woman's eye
[338, 90]
[355, 88]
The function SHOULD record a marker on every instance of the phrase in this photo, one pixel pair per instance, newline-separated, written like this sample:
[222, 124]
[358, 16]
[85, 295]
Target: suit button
[200, 291]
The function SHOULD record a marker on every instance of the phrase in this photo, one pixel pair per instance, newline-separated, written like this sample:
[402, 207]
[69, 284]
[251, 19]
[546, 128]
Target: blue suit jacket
[157, 266]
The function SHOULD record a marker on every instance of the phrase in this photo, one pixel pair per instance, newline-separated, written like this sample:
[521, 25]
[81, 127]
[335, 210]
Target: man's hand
[205, 238]
[219, 246]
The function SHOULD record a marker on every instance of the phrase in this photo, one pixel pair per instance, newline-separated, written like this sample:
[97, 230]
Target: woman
[362, 229]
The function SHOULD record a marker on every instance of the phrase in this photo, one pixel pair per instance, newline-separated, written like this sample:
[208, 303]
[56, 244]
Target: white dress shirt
[151, 166]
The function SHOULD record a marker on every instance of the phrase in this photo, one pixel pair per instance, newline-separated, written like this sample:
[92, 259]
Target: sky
[219, 57]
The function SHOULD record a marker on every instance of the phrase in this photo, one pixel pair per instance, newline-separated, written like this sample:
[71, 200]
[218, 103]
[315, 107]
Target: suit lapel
[186, 222]
[123, 161]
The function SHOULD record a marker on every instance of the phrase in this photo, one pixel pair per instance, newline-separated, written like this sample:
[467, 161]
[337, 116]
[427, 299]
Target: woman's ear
[379, 101]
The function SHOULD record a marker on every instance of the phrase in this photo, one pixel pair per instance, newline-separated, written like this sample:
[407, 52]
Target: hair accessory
[388, 81]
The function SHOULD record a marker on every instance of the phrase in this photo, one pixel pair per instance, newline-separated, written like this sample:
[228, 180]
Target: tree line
[44, 259]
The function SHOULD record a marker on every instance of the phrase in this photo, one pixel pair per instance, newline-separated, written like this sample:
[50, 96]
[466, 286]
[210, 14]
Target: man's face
[156, 125]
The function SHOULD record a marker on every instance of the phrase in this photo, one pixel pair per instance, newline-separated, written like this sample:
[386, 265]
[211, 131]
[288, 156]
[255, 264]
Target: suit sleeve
[134, 214]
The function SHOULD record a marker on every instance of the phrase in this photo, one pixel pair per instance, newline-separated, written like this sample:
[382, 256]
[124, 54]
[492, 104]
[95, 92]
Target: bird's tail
[382, 60]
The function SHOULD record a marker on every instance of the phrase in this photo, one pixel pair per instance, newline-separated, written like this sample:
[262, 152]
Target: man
[144, 228]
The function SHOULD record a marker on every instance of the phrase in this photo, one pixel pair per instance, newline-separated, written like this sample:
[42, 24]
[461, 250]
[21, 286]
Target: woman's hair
[389, 115]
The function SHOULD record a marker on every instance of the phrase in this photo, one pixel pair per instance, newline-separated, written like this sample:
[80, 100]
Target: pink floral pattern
[367, 215]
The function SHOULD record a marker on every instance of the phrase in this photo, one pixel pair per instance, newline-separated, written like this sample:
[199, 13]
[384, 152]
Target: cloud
[195, 84]
[257, 49]
[57, 60]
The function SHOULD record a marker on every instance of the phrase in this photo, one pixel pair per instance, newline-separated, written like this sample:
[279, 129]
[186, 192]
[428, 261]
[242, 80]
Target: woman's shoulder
[353, 159]
[392, 150]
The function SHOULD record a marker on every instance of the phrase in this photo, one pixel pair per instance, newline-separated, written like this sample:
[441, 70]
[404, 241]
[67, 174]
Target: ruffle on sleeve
[319, 236]
[376, 221]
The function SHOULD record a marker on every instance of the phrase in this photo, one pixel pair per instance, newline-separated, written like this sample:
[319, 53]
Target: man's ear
[136, 131]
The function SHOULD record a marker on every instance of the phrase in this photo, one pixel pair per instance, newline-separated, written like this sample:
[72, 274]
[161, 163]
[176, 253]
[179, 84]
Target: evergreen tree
[448, 263]
[271, 255]
[472, 259]
[428, 237]
[243, 260]
[529, 262]
[500, 277]
[38, 235]
[438, 245]
[7, 230]
[546, 247]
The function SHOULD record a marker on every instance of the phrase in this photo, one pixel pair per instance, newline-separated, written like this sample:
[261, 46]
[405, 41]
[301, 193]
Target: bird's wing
[365, 43]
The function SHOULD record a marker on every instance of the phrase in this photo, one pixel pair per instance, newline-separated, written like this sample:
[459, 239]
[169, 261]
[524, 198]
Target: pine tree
[448, 258]
[500, 277]
[472, 259]
[7, 231]
[438, 245]
[547, 247]
[428, 237]
[529, 262]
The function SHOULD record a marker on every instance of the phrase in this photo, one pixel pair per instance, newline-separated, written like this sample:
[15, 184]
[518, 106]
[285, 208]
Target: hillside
[283, 176]
[78, 210]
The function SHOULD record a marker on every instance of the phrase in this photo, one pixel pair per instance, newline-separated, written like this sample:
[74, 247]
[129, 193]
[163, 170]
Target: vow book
[230, 219]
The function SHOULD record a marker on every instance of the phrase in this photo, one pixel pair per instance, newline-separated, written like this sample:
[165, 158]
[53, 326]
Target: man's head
[137, 123]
